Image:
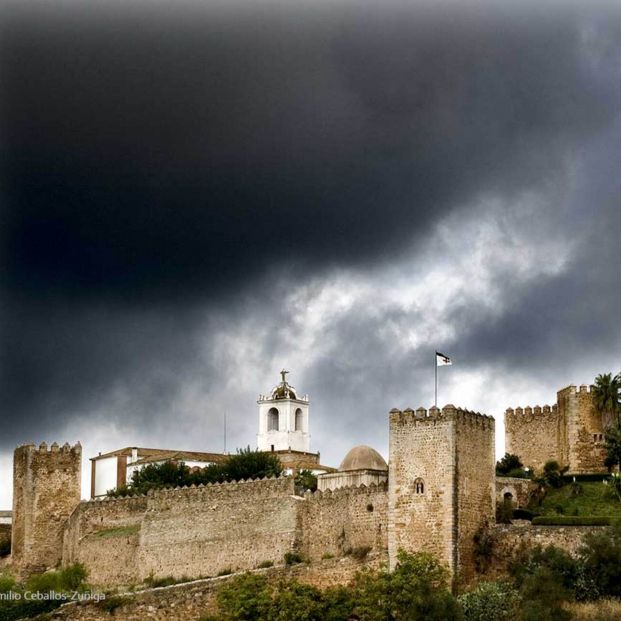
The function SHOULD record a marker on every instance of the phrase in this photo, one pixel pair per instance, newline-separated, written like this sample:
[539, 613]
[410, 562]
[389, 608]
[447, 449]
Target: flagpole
[435, 368]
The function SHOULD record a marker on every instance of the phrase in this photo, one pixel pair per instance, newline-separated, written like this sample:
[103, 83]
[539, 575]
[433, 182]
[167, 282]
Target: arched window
[272, 420]
[419, 486]
[299, 417]
[508, 497]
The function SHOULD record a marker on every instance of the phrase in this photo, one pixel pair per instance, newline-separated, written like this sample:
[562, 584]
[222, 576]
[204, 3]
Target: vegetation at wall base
[417, 589]
[511, 466]
[571, 520]
[594, 498]
[64, 581]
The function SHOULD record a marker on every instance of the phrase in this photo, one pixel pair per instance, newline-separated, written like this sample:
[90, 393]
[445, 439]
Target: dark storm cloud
[167, 158]
[151, 152]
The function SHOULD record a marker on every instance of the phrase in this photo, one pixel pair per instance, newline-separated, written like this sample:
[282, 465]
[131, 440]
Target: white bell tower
[283, 419]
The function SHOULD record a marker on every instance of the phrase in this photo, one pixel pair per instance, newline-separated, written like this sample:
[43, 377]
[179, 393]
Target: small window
[594, 437]
[419, 486]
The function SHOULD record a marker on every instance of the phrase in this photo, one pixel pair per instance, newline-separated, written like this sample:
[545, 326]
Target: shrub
[306, 480]
[504, 512]
[227, 571]
[571, 520]
[523, 514]
[543, 597]
[601, 555]
[265, 564]
[483, 549]
[292, 558]
[360, 552]
[490, 601]
[327, 555]
[246, 597]
[416, 589]
[508, 463]
[110, 604]
[246, 464]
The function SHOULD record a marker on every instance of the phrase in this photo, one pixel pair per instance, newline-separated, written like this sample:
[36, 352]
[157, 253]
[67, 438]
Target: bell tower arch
[283, 419]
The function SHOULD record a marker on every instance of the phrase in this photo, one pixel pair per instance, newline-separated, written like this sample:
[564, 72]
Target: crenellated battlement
[353, 490]
[573, 389]
[434, 415]
[532, 411]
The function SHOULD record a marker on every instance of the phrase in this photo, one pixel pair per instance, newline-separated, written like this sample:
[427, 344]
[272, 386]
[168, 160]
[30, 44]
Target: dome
[363, 458]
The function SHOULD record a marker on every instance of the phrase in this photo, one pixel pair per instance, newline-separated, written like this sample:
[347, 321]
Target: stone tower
[46, 489]
[283, 419]
[571, 432]
[441, 484]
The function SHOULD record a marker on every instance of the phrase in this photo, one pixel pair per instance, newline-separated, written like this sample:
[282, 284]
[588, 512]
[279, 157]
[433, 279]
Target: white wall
[105, 475]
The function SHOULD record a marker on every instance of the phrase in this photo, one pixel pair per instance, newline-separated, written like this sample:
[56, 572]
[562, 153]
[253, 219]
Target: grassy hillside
[594, 498]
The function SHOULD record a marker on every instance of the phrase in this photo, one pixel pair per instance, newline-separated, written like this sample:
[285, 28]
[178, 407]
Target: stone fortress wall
[570, 432]
[441, 483]
[215, 528]
[46, 489]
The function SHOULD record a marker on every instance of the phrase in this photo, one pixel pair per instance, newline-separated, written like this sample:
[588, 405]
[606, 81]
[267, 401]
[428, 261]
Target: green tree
[508, 463]
[246, 464]
[416, 590]
[606, 397]
[612, 443]
[306, 480]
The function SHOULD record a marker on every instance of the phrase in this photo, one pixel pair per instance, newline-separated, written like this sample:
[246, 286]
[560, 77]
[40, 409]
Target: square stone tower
[46, 490]
[440, 484]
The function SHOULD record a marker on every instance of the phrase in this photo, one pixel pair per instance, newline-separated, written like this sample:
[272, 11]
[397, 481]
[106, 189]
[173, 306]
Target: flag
[442, 360]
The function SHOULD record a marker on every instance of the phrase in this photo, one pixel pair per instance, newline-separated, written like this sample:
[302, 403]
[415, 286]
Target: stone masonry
[441, 484]
[46, 489]
[570, 432]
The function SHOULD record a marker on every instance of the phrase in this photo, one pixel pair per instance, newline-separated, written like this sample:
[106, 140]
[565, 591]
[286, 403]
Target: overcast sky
[195, 196]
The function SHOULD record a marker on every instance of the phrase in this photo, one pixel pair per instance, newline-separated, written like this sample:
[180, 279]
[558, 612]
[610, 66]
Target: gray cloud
[174, 181]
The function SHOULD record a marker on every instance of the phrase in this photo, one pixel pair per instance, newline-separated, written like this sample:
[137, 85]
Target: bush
[246, 464]
[523, 514]
[490, 601]
[543, 597]
[306, 480]
[292, 558]
[265, 564]
[507, 464]
[571, 520]
[483, 549]
[601, 555]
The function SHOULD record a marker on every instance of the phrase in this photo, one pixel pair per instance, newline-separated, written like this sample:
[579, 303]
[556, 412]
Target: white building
[283, 419]
[113, 469]
[283, 429]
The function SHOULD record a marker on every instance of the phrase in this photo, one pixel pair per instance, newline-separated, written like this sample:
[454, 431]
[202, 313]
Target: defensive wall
[441, 483]
[46, 489]
[209, 529]
[338, 521]
[509, 540]
[570, 432]
[197, 531]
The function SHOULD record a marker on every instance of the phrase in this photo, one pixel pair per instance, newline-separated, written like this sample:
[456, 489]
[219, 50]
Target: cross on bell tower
[283, 419]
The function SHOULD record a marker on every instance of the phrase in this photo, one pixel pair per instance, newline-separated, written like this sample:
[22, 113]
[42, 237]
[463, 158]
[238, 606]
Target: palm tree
[606, 397]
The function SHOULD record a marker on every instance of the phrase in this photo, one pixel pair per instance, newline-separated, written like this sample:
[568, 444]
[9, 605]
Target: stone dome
[363, 458]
